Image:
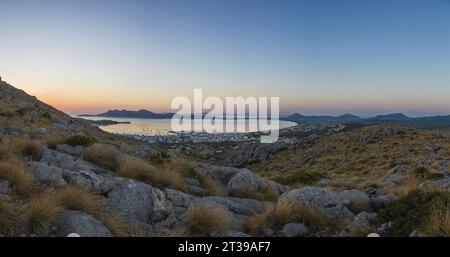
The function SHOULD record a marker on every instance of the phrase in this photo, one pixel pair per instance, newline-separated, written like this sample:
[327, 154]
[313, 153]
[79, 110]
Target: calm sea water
[151, 126]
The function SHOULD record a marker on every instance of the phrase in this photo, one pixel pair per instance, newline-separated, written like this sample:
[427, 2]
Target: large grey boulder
[294, 230]
[51, 175]
[218, 173]
[329, 204]
[245, 182]
[139, 201]
[355, 200]
[82, 224]
[245, 207]
[68, 162]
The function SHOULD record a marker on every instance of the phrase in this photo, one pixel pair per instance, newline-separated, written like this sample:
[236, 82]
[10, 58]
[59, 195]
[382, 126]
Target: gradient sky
[319, 56]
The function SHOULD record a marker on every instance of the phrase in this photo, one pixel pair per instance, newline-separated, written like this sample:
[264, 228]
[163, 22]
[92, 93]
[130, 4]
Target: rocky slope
[59, 177]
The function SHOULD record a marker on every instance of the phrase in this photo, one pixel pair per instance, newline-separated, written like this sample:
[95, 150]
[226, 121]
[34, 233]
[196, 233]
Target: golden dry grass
[140, 170]
[438, 223]
[283, 213]
[6, 217]
[42, 212]
[184, 167]
[212, 187]
[102, 155]
[79, 198]
[20, 148]
[14, 171]
[410, 184]
[203, 219]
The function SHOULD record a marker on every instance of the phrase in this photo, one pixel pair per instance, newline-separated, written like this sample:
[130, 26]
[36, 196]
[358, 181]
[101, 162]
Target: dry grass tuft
[212, 187]
[438, 223]
[21, 148]
[284, 213]
[6, 217]
[80, 199]
[140, 170]
[182, 166]
[14, 171]
[102, 155]
[203, 219]
[41, 213]
[410, 184]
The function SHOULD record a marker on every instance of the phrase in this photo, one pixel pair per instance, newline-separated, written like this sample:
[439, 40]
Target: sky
[319, 56]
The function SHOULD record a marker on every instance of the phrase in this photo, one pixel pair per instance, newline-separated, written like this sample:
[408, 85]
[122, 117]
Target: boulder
[82, 224]
[41, 131]
[245, 182]
[68, 162]
[192, 182]
[379, 202]
[5, 187]
[355, 200]
[359, 226]
[51, 175]
[441, 184]
[220, 174]
[277, 187]
[294, 230]
[329, 204]
[139, 201]
[236, 206]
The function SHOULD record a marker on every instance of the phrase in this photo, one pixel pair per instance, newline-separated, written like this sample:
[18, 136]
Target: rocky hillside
[59, 177]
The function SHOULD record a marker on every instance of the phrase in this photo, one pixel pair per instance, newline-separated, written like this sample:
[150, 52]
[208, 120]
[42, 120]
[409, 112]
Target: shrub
[14, 171]
[102, 155]
[158, 158]
[41, 214]
[203, 219]
[80, 140]
[414, 211]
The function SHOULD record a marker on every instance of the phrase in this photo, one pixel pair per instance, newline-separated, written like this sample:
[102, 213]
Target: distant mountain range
[399, 118]
[141, 114]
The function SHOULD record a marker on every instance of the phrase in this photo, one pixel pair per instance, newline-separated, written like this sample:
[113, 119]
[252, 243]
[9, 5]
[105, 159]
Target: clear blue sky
[319, 56]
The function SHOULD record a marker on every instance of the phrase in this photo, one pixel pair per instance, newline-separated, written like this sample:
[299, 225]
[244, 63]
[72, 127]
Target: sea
[151, 127]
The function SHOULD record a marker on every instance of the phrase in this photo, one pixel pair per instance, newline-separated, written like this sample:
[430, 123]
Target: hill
[395, 118]
[141, 114]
